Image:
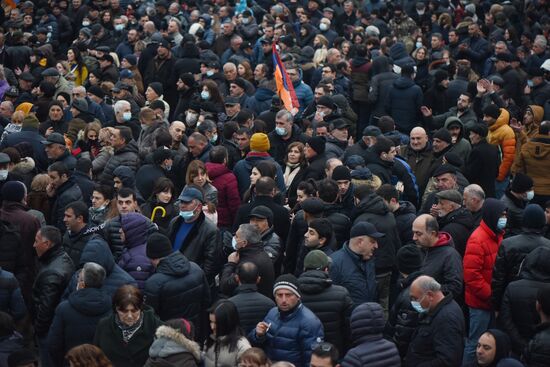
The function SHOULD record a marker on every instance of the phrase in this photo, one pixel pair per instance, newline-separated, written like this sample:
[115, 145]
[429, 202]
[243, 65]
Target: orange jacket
[502, 135]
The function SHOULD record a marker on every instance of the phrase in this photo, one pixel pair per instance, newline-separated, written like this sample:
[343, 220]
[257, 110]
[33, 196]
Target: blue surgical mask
[530, 195]
[119, 27]
[214, 138]
[530, 83]
[187, 214]
[418, 44]
[418, 307]
[127, 116]
[501, 224]
[205, 94]
[234, 243]
[210, 73]
[281, 131]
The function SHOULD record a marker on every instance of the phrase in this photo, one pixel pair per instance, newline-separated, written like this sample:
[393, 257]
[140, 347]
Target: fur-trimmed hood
[169, 342]
[26, 165]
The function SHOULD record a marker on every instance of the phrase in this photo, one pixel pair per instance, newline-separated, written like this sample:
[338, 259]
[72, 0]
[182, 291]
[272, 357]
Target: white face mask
[530, 195]
[246, 20]
[323, 26]
[119, 27]
[85, 23]
[127, 116]
[3, 174]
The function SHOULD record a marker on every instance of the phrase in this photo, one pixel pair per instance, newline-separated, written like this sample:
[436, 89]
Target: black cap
[313, 205]
[372, 131]
[444, 168]
[262, 212]
[504, 57]
[340, 123]
[96, 91]
[231, 100]
[120, 86]
[96, 28]
[12, 92]
[480, 129]
[365, 229]
[26, 76]
[326, 101]
[50, 72]
[492, 111]
[104, 49]
[54, 138]
[409, 259]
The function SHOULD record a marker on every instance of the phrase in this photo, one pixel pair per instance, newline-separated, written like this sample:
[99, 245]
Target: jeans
[383, 282]
[480, 321]
[501, 186]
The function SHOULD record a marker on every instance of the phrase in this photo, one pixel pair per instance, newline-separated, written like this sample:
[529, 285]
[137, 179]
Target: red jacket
[229, 199]
[479, 259]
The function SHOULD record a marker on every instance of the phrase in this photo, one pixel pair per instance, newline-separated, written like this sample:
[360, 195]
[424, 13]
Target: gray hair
[428, 284]
[541, 41]
[476, 191]
[330, 161]
[285, 114]
[8, 104]
[93, 275]
[250, 233]
[177, 21]
[119, 105]
[282, 364]
[80, 89]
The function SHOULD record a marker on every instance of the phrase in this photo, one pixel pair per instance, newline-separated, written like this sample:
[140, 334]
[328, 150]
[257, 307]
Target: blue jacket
[303, 93]
[290, 337]
[11, 299]
[371, 349]
[98, 251]
[243, 168]
[29, 135]
[260, 101]
[358, 276]
[403, 104]
[75, 321]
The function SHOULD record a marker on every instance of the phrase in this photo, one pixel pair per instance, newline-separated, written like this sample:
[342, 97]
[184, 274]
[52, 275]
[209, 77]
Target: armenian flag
[285, 89]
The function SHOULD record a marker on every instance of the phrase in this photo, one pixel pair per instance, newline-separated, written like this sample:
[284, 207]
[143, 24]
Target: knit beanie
[533, 217]
[341, 173]
[317, 143]
[443, 134]
[157, 87]
[316, 260]
[132, 59]
[259, 142]
[521, 183]
[287, 282]
[31, 121]
[440, 75]
[492, 111]
[409, 259]
[13, 191]
[158, 246]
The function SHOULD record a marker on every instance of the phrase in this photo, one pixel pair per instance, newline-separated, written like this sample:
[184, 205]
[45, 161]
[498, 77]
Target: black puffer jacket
[372, 209]
[73, 244]
[126, 156]
[201, 246]
[341, 224]
[402, 319]
[111, 234]
[12, 253]
[251, 305]
[331, 303]
[518, 316]
[381, 84]
[510, 255]
[178, 289]
[370, 348]
[537, 352]
[294, 243]
[439, 337]
[404, 217]
[83, 308]
[64, 195]
[97, 251]
[53, 276]
[459, 224]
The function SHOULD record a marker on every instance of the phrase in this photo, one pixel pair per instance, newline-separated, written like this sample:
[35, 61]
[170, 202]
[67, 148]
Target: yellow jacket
[502, 135]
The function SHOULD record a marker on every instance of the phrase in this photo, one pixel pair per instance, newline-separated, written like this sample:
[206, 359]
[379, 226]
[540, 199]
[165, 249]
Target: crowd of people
[258, 183]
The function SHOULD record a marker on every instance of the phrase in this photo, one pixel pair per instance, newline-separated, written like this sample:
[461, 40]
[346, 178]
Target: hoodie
[172, 348]
[461, 146]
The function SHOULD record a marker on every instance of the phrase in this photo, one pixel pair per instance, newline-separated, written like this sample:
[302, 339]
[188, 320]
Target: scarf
[128, 331]
[291, 170]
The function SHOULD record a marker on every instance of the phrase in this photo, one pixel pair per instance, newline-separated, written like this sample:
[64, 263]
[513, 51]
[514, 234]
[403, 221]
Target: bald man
[441, 260]
[419, 156]
[439, 338]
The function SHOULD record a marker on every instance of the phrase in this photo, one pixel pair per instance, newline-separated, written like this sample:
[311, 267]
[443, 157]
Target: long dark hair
[79, 60]
[227, 325]
[266, 169]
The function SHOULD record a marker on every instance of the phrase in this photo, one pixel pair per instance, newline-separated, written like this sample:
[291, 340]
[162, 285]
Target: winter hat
[316, 260]
[409, 259]
[96, 91]
[354, 161]
[440, 75]
[443, 134]
[14, 191]
[317, 143]
[239, 82]
[480, 129]
[492, 111]
[533, 216]
[132, 59]
[521, 183]
[80, 104]
[453, 159]
[341, 173]
[158, 246]
[326, 101]
[157, 87]
[287, 282]
[31, 121]
[259, 142]
[188, 79]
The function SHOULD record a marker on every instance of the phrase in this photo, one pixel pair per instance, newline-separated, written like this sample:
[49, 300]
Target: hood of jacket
[490, 213]
[380, 65]
[444, 239]
[131, 147]
[538, 114]
[502, 120]
[170, 341]
[373, 204]
[357, 62]
[453, 120]
[135, 227]
[536, 265]
[98, 251]
[539, 147]
[126, 175]
[367, 322]
[314, 281]
[174, 264]
[90, 301]
[215, 170]
[398, 51]
[405, 207]
[26, 165]
[403, 82]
